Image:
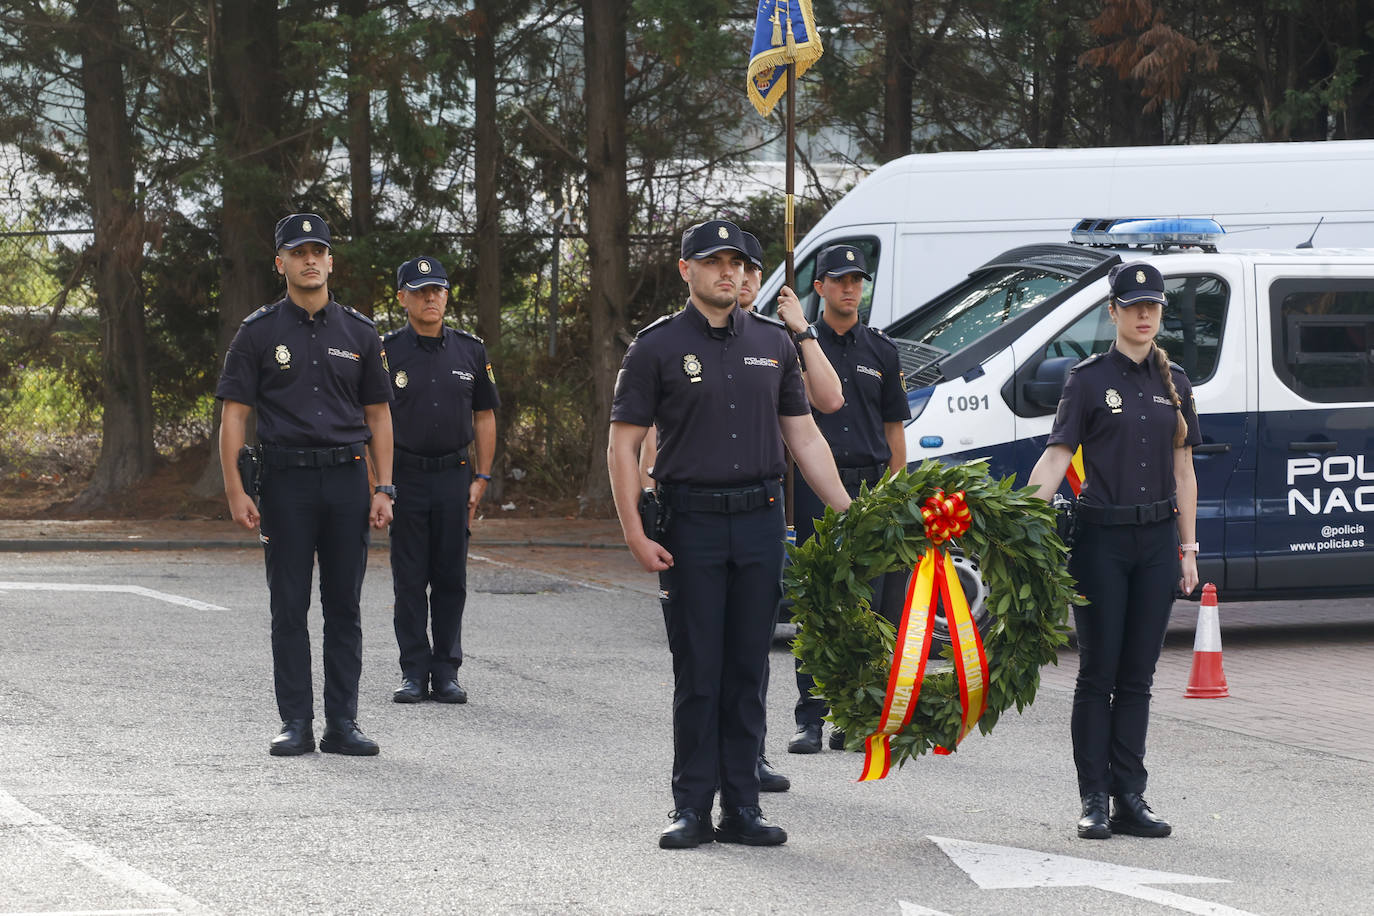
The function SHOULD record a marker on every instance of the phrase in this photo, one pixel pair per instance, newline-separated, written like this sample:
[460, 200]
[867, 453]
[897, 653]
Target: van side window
[806, 272]
[1190, 331]
[1323, 336]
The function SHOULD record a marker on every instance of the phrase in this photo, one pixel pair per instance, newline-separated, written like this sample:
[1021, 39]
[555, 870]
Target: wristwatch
[386, 489]
[808, 334]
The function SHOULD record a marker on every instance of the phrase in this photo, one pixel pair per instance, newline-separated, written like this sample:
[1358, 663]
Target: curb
[19, 545]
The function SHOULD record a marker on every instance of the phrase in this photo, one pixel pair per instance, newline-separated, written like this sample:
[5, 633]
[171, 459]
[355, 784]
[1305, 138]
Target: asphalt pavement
[136, 707]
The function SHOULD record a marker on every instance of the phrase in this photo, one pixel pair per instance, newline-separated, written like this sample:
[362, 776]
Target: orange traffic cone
[1207, 680]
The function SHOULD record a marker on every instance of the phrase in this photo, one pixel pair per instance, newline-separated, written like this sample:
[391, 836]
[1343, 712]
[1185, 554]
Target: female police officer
[1132, 411]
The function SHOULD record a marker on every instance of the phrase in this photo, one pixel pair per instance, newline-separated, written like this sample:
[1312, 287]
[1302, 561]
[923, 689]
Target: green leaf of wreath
[848, 648]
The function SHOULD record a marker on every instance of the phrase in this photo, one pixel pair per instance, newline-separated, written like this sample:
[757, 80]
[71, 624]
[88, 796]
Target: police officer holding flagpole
[315, 372]
[724, 388]
[444, 414]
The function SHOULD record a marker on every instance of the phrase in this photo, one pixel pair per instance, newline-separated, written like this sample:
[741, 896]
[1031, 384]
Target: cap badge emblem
[692, 366]
[1140, 276]
[849, 255]
[723, 232]
[305, 225]
[282, 355]
[423, 267]
[1114, 400]
[402, 379]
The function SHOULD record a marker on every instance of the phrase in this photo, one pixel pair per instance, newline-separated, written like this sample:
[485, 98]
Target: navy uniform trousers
[308, 512]
[429, 555]
[719, 602]
[1128, 574]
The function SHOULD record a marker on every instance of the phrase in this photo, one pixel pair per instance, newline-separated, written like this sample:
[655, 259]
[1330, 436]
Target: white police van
[1279, 345]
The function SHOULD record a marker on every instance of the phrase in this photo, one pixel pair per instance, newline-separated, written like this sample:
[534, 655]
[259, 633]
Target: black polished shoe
[342, 736]
[688, 830]
[448, 691]
[837, 739]
[807, 740]
[410, 691]
[1132, 816]
[748, 826]
[295, 738]
[770, 780]
[1093, 824]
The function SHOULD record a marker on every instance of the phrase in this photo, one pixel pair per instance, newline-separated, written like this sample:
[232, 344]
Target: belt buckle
[736, 501]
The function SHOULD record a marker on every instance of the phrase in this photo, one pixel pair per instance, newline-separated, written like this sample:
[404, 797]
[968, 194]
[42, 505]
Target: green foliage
[848, 648]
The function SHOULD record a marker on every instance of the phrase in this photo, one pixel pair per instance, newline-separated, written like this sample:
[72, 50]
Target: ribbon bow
[945, 517]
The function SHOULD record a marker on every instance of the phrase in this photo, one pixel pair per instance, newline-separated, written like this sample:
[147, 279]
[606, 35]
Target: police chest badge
[282, 356]
[402, 379]
[692, 366]
[1114, 400]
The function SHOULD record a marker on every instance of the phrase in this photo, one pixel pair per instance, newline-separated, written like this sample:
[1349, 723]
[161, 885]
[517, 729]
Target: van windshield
[979, 306]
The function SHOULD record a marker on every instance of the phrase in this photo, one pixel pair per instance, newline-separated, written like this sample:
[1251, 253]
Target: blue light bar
[1160, 232]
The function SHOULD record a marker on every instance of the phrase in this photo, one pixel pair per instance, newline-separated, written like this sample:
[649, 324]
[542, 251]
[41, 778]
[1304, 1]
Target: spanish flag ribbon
[935, 581]
[1076, 474]
[784, 32]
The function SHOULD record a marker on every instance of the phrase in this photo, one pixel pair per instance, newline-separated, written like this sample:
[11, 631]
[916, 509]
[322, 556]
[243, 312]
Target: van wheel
[975, 590]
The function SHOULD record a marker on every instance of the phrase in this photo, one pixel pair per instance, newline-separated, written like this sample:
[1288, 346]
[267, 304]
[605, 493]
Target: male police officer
[445, 420]
[865, 435]
[316, 374]
[724, 387]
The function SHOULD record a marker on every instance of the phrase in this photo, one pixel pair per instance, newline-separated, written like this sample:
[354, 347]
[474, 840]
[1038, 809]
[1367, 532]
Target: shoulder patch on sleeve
[1088, 362]
[653, 325]
[469, 334]
[767, 318]
[261, 313]
[350, 310]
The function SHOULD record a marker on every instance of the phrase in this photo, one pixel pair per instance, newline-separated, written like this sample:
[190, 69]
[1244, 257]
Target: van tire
[975, 590]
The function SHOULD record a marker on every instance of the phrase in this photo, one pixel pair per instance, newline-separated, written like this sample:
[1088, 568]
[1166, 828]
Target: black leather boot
[689, 829]
[770, 780]
[747, 825]
[343, 736]
[1093, 824]
[1131, 815]
[295, 738]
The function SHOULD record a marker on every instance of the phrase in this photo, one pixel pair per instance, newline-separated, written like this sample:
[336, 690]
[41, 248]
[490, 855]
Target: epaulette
[1177, 368]
[470, 334]
[393, 334]
[349, 310]
[766, 318]
[261, 313]
[1088, 362]
[881, 336]
[653, 325]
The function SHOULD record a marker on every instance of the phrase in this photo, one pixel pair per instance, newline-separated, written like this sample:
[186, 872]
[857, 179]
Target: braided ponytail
[1167, 374]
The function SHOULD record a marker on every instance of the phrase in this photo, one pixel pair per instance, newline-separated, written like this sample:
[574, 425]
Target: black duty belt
[727, 500]
[852, 477]
[409, 461]
[276, 456]
[1146, 514]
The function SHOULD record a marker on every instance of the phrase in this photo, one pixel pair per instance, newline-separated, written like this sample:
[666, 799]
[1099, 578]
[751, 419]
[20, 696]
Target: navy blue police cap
[1136, 282]
[418, 272]
[711, 236]
[299, 228]
[753, 249]
[838, 260]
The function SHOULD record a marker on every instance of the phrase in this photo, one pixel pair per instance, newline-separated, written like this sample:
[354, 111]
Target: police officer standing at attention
[866, 435]
[316, 374]
[1133, 413]
[444, 414]
[724, 387]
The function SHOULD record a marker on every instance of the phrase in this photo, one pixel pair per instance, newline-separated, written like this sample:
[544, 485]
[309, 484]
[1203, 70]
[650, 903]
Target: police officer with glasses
[724, 388]
[315, 373]
[444, 414]
[1132, 412]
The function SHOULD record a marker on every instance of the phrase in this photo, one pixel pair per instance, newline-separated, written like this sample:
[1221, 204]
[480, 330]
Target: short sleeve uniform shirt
[715, 395]
[871, 378]
[437, 383]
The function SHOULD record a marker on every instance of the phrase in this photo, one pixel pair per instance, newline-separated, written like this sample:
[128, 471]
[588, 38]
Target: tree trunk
[126, 447]
[247, 59]
[488, 155]
[359, 129]
[899, 73]
[608, 219]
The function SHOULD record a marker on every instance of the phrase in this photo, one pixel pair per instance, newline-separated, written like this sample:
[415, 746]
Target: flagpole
[788, 243]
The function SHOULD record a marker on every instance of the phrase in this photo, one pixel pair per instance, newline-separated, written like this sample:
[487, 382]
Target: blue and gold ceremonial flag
[785, 31]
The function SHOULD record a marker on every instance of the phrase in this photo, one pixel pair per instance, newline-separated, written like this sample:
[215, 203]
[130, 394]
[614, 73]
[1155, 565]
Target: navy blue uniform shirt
[437, 382]
[715, 394]
[871, 378]
[308, 378]
[1120, 412]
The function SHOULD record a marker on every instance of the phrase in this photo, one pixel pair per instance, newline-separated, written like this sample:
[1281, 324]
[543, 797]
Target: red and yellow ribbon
[935, 581]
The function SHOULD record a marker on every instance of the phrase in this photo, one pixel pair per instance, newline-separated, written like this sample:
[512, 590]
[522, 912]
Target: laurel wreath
[848, 648]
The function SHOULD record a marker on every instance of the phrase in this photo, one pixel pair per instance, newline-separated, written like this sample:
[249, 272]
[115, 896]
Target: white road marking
[578, 582]
[46, 833]
[128, 589]
[1009, 867]
[915, 909]
[90, 913]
